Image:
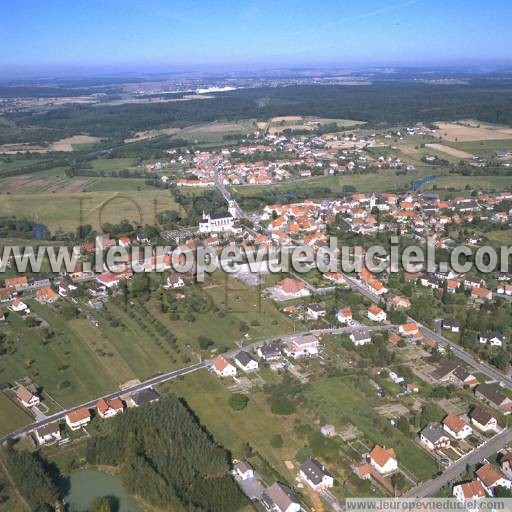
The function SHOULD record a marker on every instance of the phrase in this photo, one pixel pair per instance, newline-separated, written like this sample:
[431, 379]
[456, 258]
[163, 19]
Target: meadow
[67, 211]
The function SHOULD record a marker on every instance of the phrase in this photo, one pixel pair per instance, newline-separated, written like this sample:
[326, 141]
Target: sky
[165, 35]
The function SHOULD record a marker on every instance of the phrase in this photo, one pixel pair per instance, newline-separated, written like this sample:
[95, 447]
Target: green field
[342, 400]
[66, 366]
[117, 184]
[459, 183]
[12, 413]
[112, 164]
[484, 148]
[67, 211]
[381, 181]
[208, 398]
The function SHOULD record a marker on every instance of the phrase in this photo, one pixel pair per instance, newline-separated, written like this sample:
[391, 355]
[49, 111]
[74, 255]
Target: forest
[168, 459]
[380, 104]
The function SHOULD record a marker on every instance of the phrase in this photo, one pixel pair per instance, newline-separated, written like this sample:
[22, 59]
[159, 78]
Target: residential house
[491, 477]
[222, 367]
[19, 306]
[494, 338]
[376, 314]
[292, 288]
[16, 284]
[27, 397]
[344, 316]
[269, 351]
[456, 427]
[46, 296]
[473, 282]
[451, 324]
[315, 475]
[481, 294]
[490, 394]
[174, 281]
[243, 470]
[246, 362]
[409, 330]
[279, 498]
[316, 310]
[48, 433]
[143, 397]
[473, 490]
[360, 337]
[109, 408]
[433, 436]
[483, 420]
[78, 418]
[302, 346]
[383, 459]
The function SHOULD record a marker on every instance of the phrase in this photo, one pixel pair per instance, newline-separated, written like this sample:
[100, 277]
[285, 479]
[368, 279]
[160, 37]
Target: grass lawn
[458, 182]
[208, 398]
[351, 400]
[117, 184]
[381, 181]
[68, 369]
[12, 413]
[484, 148]
[112, 164]
[69, 210]
[502, 236]
[228, 303]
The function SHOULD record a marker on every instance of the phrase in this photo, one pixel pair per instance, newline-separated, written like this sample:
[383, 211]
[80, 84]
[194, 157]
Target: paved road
[451, 473]
[491, 446]
[164, 377]
[92, 403]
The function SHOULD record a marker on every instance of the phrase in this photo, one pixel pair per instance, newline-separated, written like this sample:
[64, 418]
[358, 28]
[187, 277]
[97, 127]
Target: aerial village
[428, 352]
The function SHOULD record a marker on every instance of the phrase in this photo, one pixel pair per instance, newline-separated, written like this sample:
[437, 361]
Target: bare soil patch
[457, 153]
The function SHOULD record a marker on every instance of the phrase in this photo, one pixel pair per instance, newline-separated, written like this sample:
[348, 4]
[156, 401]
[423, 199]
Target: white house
[279, 498]
[174, 281]
[490, 477]
[246, 362]
[315, 475]
[376, 314]
[344, 316]
[48, 433]
[26, 397]
[433, 436]
[243, 470]
[383, 459]
[222, 367]
[109, 408]
[456, 427]
[482, 420]
[78, 419]
[473, 490]
[302, 346]
[360, 337]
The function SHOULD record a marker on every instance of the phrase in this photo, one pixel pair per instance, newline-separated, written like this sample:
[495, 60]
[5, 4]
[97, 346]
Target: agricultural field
[68, 369]
[483, 148]
[380, 181]
[464, 132]
[459, 183]
[215, 131]
[67, 211]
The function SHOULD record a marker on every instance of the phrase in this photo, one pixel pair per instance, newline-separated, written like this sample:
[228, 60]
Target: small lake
[87, 484]
[39, 231]
[423, 181]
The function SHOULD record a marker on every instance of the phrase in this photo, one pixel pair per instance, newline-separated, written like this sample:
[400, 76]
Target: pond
[87, 484]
